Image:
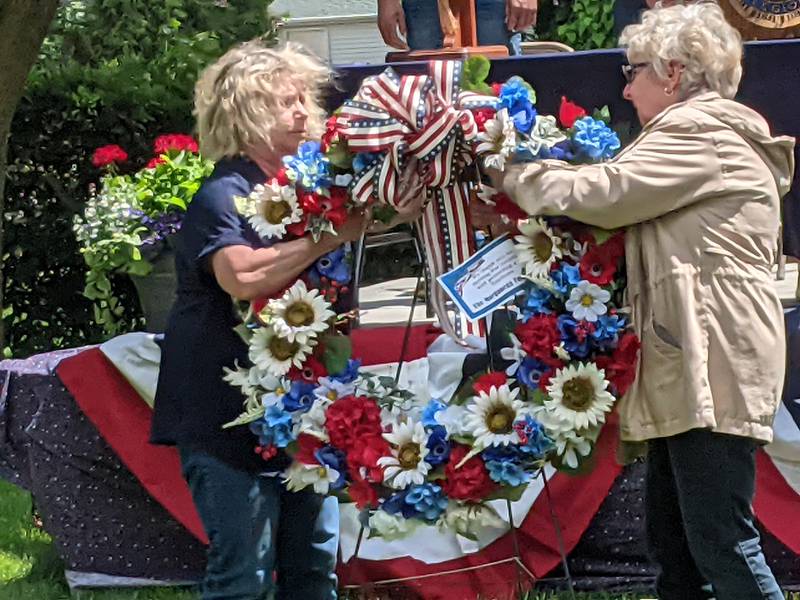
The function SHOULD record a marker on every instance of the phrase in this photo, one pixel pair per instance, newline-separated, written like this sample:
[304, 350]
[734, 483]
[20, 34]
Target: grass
[31, 570]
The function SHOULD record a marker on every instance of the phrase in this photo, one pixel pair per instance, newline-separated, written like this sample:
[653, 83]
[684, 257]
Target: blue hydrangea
[507, 473]
[333, 458]
[537, 302]
[396, 504]
[300, 396]
[362, 160]
[427, 501]
[595, 139]
[335, 266]
[565, 278]
[274, 429]
[429, 412]
[530, 372]
[350, 372]
[309, 167]
[576, 341]
[515, 97]
[607, 329]
[510, 453]
[438, 447]
[534, 440]
[561, 151]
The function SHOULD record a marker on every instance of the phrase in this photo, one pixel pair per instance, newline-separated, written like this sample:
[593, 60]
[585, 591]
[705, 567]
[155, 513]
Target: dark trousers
[700, 523]
[256, 528]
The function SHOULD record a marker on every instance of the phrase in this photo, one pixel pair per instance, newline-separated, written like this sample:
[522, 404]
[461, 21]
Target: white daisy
[312, 421]
[275, 207]
[470, 520]
[406, 465]
[588, 301]
[391, 527]
[490, 417]
[498, 141]
[537, 248]
[275, 354]
[578, 398]
[300, 313]
[331, 389]
[275, 389]
[545, 133]
[299, 476]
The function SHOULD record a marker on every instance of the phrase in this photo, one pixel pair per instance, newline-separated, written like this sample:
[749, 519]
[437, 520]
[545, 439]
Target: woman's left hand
[412, 193]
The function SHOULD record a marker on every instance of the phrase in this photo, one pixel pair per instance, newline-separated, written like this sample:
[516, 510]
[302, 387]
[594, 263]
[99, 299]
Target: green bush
[111, 71]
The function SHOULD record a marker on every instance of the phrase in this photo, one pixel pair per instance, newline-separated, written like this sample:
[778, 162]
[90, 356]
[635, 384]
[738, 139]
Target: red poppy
[599, 265]
[108, 155]
[569, 112]
[470, 481]
[486, 382]
[311, 372]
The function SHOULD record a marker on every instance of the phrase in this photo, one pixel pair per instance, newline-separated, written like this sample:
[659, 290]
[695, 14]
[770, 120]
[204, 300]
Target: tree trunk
[23, 26]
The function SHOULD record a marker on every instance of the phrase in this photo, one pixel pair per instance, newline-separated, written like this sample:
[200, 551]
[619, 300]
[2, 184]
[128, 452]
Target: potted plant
[127, 226]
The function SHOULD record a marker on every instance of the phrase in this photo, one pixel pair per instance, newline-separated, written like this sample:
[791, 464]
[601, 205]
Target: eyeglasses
[631, 71]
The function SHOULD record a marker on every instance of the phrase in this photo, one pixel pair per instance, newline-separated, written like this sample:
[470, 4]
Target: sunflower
[491, 416]
[275, 207]
[537, 248]
[578, 397]
[275, 354]
[406, 465]
[299, 314]
[499, 140]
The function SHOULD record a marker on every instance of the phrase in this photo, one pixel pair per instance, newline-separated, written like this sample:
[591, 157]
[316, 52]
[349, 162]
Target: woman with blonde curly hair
[699, 192]
[253, 106]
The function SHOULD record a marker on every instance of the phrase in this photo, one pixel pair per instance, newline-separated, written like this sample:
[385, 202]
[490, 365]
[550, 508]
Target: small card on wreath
[486, 280]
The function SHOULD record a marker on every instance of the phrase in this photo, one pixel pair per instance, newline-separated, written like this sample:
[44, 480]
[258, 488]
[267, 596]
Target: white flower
[545, 133]
[498, 141]
[561, 352]
[312, 421]
[578, 398]
[299, 476]
[406, 465]
[469, 520]
[452, 418]
[331, 389]
[300, 313]
[343, 180]
[515, 354]
[537, 248]
[391, 527]
[490, 417]
[274, 207]
[253, 382]
[275, 354]
[588, 301]
[569, 444]
[275, 390]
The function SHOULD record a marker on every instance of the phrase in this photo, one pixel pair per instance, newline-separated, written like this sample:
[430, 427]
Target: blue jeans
[700, 523]
[257, 528]
[425, 30]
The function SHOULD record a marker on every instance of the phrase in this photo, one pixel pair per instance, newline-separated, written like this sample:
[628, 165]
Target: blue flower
[333, 458]
[530, 372]
[396, 504]
[429, 413]
[607, 330]
[561, 151]
[576, 337]
[335, 266]
[536, 303]
[565, 278]
[299, 397]
[438, 447]
[514, 91]
[515, 97]
[507, 473]
[534, 441]
[309, 167]
[595, 139]
[510, 453]
[274, 429]
[427, 501]
[350, 372]
[362, 160]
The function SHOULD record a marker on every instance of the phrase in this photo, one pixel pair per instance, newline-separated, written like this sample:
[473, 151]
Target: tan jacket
[699, 191]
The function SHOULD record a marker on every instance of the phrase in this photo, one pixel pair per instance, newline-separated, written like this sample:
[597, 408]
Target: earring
[669, 91]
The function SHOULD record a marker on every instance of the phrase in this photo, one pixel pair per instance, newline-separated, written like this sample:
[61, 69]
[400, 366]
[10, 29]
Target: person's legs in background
[492, 29]
[422, 22]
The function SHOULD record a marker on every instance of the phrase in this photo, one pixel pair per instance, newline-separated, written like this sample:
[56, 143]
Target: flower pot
[156, 290]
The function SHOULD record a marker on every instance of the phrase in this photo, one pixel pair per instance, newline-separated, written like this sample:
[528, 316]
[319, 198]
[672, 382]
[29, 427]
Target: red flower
[174, 141]
[598, 266]
[470, 481]
[312, 370]
[506, 206]
[569, 112]
[547, 375]
[334, 208]
[298, 229]
[620, 367]
[485, 382]
[307, 445]
[352, 419]
[311, 203]
[154, 162]
[539, 336]
[331, 135]
[108, 155]
[482, 115]
[496, 87]
[363, 493]
[362, 458]
[616, 245]
[282, 178]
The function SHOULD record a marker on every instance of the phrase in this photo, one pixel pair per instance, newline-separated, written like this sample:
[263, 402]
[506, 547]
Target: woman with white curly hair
[699, 192]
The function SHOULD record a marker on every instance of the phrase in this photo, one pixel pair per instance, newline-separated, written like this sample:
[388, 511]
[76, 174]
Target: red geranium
[352, 419]
[539, 335]
[307, 446]
[108, 155]
[470, 481]
[362, 458]
[505, 206]
[485, 382]
[620, 367]
[569, 112]
[482, 115]
[154, 162]
[174, 141]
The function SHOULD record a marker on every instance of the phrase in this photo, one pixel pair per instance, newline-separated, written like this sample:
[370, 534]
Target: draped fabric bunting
[392, 119]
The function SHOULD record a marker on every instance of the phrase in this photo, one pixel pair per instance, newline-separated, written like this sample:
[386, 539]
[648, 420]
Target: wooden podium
[460, 36]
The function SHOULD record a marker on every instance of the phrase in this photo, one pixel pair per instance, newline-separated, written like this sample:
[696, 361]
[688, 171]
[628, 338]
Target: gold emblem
[770, 14]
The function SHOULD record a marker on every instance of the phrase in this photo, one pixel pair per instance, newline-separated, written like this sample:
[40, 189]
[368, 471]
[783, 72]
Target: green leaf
[601, 236]
[509, 493]
[476, 70]
[338, 351]
[603, 114]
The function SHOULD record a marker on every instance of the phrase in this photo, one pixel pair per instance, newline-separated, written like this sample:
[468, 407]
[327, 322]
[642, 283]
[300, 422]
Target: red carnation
[470, 481]
[506, 206]
[307, 445]
[154, 162]
[311, 203]
[311, 372]
[362, 458]
[334, 208]
[363, 493]
[569, 112]
[350, 420]
[620, 367]
[174, 141]
[486, 382]
[539, 335]
[108, 155]
[482, 115]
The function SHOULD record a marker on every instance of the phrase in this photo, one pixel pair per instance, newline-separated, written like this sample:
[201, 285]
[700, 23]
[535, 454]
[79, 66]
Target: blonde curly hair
[695, 35]
[236, 98]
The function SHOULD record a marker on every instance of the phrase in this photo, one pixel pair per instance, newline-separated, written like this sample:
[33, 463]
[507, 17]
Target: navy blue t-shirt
[192, 400]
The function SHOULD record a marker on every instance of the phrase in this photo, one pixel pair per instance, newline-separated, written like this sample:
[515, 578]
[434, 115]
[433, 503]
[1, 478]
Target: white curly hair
[695, 35]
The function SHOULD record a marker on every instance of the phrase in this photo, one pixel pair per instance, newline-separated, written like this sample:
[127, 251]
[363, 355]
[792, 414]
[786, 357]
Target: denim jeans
[700, 523]
[257, 528]
[425, 30]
